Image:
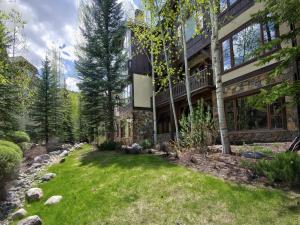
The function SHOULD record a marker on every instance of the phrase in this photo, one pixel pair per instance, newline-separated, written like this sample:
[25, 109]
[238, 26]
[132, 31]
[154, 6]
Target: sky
[53, 23]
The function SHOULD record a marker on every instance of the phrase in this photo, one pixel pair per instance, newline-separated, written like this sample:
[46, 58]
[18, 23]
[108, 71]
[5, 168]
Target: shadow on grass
[104, 159]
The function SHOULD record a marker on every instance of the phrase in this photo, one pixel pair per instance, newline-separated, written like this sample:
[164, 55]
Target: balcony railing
[200, 81]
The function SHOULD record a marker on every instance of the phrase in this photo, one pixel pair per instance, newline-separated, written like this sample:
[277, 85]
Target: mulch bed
[227, 167]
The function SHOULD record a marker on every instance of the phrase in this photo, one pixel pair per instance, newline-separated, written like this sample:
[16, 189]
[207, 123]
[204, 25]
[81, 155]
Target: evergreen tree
[67, 125]
[101, 63]
[41, 111]
[9, 103]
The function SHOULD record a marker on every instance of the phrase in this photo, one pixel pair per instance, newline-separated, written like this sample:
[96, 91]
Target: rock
[194, 160]
[164, 147]
[48, 176]
[135, 149]
[62, 160]
[42, 158]
[55, 152]
[53, 200]
[36, 165]
[31, 220]
[34, 194]
[64, 153]
[20, 214]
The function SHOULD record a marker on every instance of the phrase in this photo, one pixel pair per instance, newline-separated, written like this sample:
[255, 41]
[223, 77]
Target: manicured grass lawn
[112, 188]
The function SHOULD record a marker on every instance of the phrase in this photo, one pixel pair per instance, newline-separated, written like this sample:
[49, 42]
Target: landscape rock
[53, 200]
[48, 176]
[62, 160]
[34, 194]
[20, 214]
[55, 152]
[64, 153]
[42, 158]
[31, 220]
[135, 149]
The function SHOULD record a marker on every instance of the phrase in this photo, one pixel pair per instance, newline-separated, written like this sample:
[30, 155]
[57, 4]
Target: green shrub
[146, 144]
[199, 129]
[109, 146]
[19, 136]
[12, 146]
[25, 146]
[9, 163]
[285, 167]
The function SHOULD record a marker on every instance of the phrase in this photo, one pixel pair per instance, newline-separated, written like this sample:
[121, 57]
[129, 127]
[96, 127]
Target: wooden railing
[200, 81]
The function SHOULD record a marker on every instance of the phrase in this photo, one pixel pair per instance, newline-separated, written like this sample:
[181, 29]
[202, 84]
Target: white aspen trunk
[216, 64]
[153, 98]
[170, 82]
[186, 66]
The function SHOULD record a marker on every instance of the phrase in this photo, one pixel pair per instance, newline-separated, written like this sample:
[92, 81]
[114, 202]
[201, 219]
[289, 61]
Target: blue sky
[53, 23]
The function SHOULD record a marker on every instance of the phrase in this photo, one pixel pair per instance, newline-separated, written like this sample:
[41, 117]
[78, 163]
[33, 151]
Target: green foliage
[109, 146]
[19, 136]
[12, 146]
[146, 144]
[101, 66]
[10, 158]
[285, 167]
[67, 123]
[280, 12]
[199, 129]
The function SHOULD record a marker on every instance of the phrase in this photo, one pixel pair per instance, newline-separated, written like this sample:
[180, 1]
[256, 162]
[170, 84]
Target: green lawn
[112, 188]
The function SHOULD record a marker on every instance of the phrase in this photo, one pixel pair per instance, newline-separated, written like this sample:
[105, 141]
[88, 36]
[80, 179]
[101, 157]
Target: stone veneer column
[142, 125]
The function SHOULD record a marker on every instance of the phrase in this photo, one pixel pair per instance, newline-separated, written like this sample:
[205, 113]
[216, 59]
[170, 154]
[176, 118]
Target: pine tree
[67, 125]
[9, 104]
[41, 110]
[102, 62]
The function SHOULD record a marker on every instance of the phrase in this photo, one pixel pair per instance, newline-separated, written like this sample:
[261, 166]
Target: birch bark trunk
[216, 64]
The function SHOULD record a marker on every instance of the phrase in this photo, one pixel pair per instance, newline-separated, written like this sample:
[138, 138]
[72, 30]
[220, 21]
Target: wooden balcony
[200, 82]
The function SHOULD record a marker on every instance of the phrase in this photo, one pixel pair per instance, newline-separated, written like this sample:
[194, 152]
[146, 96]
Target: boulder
[31, 220]
[135, 149]
[64, 153]
[48, 176]
[20, 214]
[36, 165]
[53, 200]
[55, 152]
[42, 158]
[34, 194]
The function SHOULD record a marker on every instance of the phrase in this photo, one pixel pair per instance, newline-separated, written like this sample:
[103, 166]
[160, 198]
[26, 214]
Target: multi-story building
[242, 78]
[134, 115]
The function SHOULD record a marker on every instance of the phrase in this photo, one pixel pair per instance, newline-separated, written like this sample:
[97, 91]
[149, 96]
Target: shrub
[19, 136]
[109, 146]
[12, 146]
[146, 144]
[285, 167]
[9, 164]
[199, 129]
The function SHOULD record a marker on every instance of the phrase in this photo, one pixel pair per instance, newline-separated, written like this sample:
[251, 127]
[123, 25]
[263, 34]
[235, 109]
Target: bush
[9, 164]
[146, 144]
[109, 146]
[12, 146]
[285, 167]
[201, 133]
[19, 136]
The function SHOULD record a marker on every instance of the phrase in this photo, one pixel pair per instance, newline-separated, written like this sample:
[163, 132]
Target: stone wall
[142, 125]
[262, 136]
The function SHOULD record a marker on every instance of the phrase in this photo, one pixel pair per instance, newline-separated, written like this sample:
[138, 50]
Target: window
[225, 4]
[245, 43]
[240, 115]
[226, 54]
[240, 47]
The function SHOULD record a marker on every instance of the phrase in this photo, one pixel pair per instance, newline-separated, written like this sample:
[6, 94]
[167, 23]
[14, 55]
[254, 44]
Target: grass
[115, 189]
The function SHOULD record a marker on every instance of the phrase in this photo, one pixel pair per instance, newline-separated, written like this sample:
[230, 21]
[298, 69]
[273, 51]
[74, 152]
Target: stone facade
[142, 125]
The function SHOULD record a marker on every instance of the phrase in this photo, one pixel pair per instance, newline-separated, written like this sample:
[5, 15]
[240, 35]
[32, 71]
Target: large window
[239, 48]
[240, 115]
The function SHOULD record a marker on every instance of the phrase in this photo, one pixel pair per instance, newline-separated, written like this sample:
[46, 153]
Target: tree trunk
[216, 63]
[186, 66]
[153, 98]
